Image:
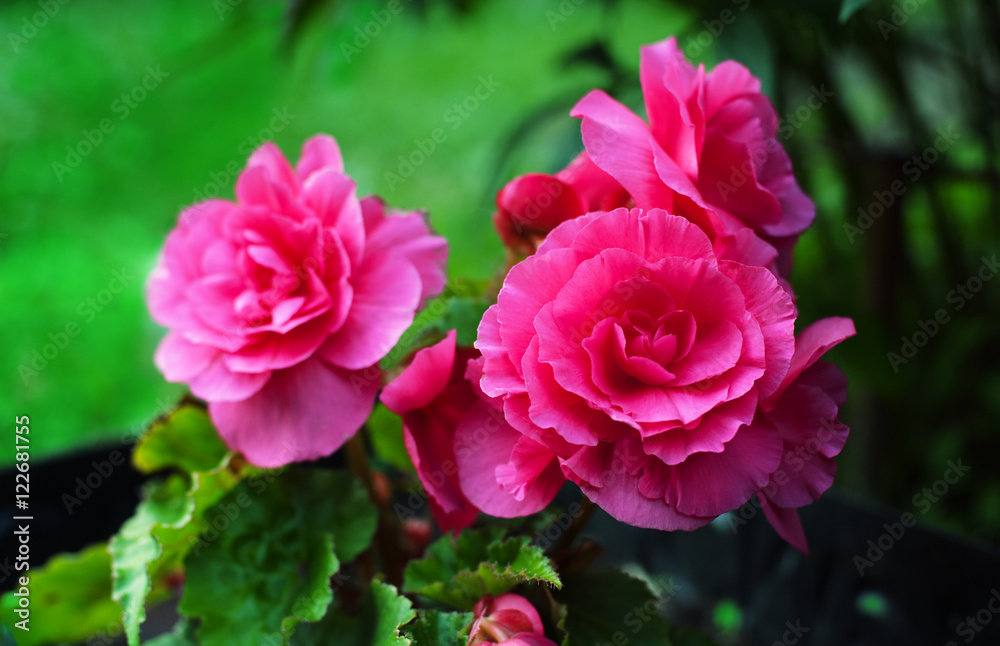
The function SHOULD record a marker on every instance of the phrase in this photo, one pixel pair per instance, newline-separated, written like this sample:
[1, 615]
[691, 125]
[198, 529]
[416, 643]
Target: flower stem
[577, 526]
[389, 531]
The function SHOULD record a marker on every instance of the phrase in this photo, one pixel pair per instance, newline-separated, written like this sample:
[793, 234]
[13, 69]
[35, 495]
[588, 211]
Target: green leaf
[436, 628]
[70, 599]
[464, 315]
[386, 431]
[152, 544]
[335, 499]
[460, 572]
[460, 308]
[382, 614]
[253, 579]
[609, 606]
[849, 7]
[185, 439]
[134, 547]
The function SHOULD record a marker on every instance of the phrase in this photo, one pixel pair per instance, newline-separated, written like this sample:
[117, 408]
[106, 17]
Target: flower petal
[407, 235]
[709, 484]
[424, 379]
[332, 197]
[483, 442]
[619, 494]
[219, 383]
[787, 523]
[386, 294]
[180, 360]
[303, 413]
[318, 153]
[812, 343]
[621, 145]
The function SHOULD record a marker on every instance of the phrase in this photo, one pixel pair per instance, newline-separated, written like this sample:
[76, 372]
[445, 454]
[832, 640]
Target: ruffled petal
[619, 494]
[709, 484]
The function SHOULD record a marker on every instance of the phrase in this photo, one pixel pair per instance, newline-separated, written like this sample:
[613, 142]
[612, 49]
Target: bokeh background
[185, 90]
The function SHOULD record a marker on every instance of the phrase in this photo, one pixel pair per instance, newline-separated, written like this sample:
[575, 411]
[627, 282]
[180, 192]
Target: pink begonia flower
[709, 152]
[281, 304]
[432, 395]
[510, 620]
[651, 368]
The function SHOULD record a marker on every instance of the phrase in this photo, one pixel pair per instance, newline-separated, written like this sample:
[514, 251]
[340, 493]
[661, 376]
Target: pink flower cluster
[647, 354]
[644, 348]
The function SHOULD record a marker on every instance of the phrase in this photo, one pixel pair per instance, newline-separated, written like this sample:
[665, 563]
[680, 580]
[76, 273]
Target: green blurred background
[233, 73]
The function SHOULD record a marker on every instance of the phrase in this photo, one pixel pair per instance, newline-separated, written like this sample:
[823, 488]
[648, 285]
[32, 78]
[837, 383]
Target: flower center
[652, 345]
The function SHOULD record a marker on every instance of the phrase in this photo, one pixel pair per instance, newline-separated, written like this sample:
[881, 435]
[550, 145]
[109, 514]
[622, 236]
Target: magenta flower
[711, 141]
[510, 620]
[634, 356]
[432, 395]
[281, 304]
